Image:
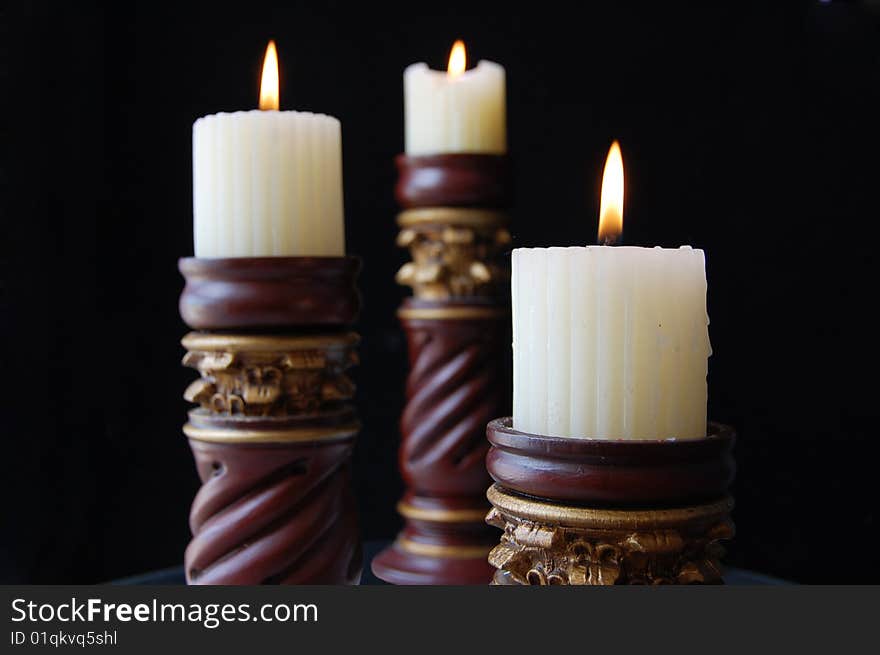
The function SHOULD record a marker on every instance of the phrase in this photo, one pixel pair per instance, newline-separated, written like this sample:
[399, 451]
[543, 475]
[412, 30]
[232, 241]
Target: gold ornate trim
[440, 515]
[270, 375]
[458, 216]
[548, 543]
[438, 550]
[286, 435]
[452, 313]
[455, 251]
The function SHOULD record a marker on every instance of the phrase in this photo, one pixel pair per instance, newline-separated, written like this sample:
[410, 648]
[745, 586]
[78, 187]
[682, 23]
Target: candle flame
[269, 79]
[457, 60]
[611, 203]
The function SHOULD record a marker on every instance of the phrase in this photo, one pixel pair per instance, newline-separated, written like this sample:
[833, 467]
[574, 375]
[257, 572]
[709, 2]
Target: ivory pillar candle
[456, 110]
[610, 342]
[267, 182]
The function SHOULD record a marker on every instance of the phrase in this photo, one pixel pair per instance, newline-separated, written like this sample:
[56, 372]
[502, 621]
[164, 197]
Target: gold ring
[285, 435]
[441, 515]
[452, 313]
[608, 519]
[274, 342]
[459, 216]
[437, 550]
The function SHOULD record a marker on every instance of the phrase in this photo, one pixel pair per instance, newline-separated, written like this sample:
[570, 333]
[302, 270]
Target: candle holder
[604, 512]
[274, 430]
[458, 334]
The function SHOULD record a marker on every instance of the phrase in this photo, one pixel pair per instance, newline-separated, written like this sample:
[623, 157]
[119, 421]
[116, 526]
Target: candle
[610, 342]
[267, 182]
[455, 111]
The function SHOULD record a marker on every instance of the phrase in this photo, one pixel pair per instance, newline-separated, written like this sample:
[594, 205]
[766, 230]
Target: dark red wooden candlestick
[273, 434]
[458, 333]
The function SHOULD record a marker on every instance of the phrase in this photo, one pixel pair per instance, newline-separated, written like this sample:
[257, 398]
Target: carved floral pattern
[537, 554]
[270, 383]
[453, 261]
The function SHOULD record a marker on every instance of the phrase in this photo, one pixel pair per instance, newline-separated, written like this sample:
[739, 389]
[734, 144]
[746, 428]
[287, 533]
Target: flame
[457, 60]
[611, 203]
[269, 80]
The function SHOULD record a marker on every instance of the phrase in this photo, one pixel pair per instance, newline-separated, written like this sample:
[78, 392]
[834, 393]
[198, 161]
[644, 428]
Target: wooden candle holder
[603, 512]
[458, 333]
[274, 430]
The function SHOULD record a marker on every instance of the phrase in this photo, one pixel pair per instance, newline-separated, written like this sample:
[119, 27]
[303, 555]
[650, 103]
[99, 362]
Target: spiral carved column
[458, 336]
[274, 429]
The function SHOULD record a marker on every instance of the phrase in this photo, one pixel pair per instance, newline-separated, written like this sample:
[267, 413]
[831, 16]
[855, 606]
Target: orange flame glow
[269, 80]
[611, 203]
[457, 60]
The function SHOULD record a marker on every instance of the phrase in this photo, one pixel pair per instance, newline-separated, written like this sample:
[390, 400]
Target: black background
[748, 130]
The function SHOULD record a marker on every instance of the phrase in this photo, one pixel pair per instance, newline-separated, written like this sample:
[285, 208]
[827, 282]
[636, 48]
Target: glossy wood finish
[621, 473]
[269, 292]
[274, 513]
[457, 381]
[452, 180]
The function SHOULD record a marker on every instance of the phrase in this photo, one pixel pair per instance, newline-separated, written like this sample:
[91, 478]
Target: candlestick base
[444, 543]
[579, 516]
[274, 430]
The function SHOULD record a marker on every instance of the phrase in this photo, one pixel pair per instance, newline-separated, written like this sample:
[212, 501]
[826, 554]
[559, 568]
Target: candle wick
[610, 239]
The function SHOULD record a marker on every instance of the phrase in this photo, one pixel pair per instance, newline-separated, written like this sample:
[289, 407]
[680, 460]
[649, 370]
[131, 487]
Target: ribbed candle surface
[267, 183]
[445, 114]
[610, 342]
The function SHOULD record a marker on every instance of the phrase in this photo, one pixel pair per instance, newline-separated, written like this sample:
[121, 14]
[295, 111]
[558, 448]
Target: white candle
[268, 182]
[610, 342]
[455, 111]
